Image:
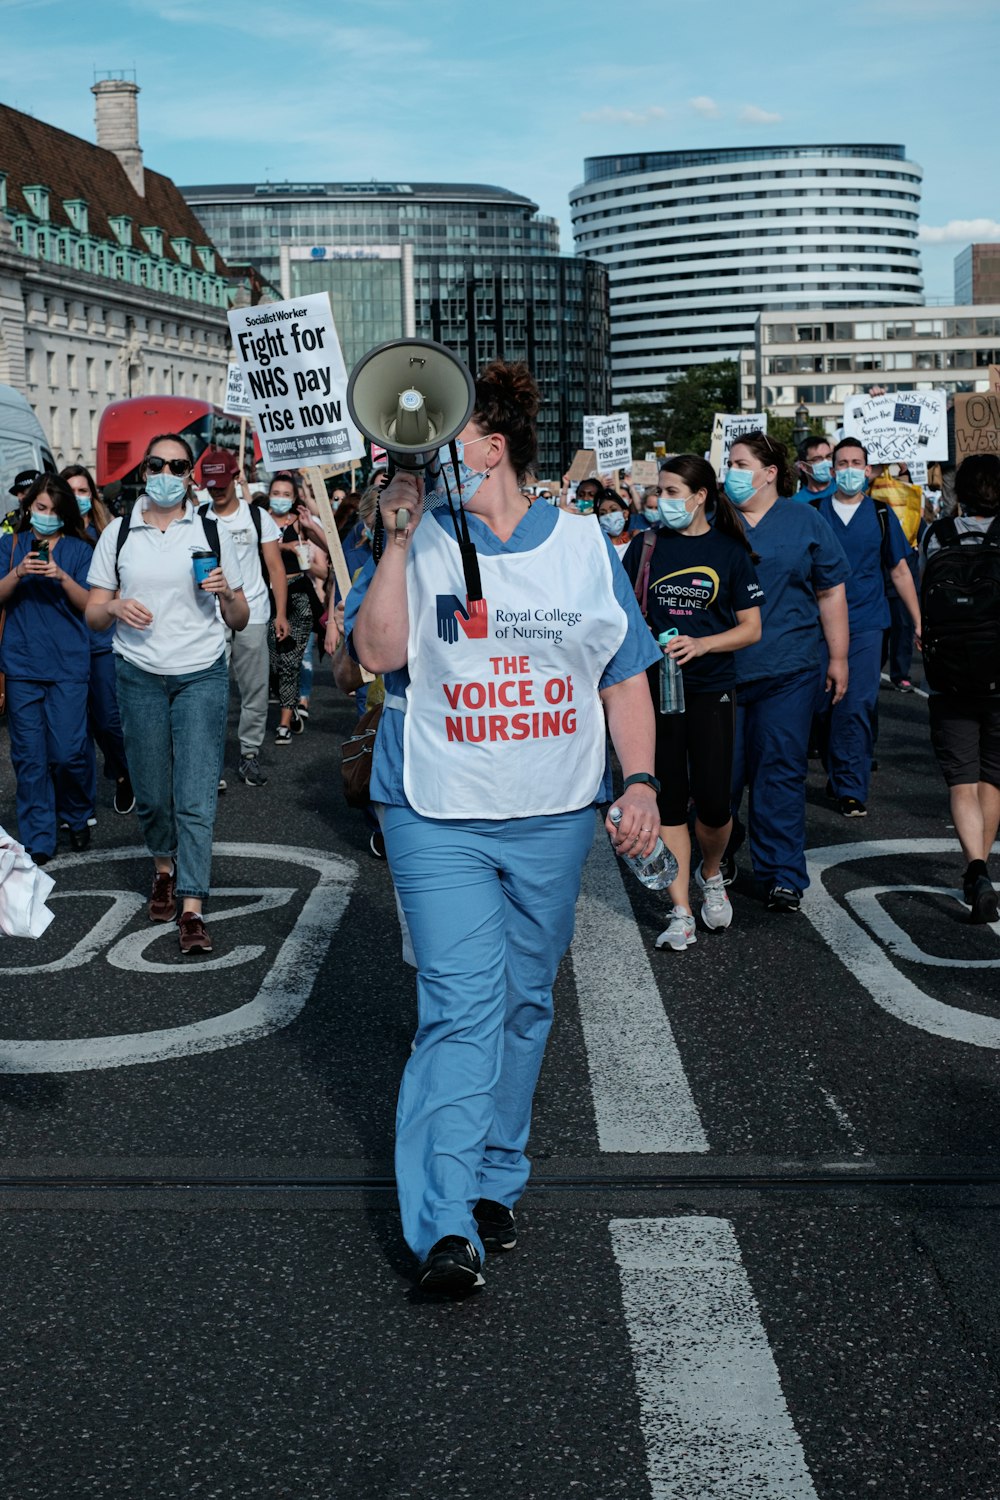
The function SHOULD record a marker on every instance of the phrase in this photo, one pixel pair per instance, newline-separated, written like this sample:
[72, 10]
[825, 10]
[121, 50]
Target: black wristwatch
[645, 778]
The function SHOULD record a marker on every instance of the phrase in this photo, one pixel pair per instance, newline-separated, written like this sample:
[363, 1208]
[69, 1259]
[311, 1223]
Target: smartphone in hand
[42, 552]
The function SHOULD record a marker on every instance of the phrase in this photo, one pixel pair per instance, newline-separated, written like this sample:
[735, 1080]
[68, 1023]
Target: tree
[782, 430]
[682, 416]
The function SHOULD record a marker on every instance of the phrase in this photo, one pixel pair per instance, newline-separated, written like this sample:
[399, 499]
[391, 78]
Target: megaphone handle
[402, 519]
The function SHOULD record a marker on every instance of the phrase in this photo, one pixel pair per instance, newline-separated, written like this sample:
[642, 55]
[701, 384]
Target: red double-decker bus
[126, 428]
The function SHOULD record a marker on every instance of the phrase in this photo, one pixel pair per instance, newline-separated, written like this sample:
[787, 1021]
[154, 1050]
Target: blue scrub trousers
[47, 722]
[105, 723]
[771, 758]
[851, 723]
[490, 907]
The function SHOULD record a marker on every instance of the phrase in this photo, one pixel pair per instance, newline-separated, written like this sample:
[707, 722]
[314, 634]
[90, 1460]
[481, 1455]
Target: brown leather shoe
[193, 933]
[163, 901]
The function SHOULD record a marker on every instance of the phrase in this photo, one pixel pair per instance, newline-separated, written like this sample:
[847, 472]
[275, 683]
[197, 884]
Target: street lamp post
[801, 429]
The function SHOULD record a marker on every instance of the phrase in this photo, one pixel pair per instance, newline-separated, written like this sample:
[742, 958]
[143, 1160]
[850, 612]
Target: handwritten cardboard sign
[899, 426]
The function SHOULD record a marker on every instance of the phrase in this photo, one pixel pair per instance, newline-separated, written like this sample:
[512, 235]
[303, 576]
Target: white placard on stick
[611, 439]
[294, 371]
[900, 426]
[727, 429]
[237, 400]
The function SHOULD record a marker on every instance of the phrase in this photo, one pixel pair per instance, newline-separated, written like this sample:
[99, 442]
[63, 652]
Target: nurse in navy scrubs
[45, 654]
[489, 760]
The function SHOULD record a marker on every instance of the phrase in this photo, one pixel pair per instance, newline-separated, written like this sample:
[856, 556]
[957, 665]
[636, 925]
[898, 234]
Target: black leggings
[694, 759]
[286, 664]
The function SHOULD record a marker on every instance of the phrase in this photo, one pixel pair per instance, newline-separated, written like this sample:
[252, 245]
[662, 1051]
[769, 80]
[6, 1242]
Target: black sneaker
[79, 838]
[982, 898]
[452, 1268]
[730, 869]
[496, 1226]
[780, 898]
[250, 771]
[850, 807]
[124, 796]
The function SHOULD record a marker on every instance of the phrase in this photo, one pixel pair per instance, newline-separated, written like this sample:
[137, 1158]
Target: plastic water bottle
[671, 678]
[657, 870]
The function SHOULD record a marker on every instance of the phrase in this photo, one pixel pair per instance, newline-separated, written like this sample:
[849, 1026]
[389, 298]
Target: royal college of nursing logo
[471, 618]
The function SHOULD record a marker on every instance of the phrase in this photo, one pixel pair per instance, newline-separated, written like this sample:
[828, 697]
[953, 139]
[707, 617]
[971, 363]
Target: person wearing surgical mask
[102, 702]
[876, 548]
[815, 469]
[802, 570]
[511, 644]
[168, 579]
[694, 575]
[45, 654]
[614, 517]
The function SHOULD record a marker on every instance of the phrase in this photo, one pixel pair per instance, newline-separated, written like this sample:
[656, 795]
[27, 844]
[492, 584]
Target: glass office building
[475, 267]
[699, 243]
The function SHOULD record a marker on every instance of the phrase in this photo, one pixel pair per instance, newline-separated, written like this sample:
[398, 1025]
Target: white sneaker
[716, 908]
[680, 933]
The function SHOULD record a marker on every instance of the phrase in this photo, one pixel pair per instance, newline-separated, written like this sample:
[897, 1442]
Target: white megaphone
[411, 397]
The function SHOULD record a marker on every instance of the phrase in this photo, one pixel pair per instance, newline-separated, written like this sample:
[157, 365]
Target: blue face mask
[166, 490]
[850, 481]
[652, 513]
[674, 513]
[368, 533]
[45, 523]
[85, 504]
[469, 480]
[280, 504]
[613, 523]
[739, 486]
[822, 470]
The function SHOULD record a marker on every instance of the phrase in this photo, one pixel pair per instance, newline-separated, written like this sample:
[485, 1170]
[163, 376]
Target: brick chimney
[116, 115]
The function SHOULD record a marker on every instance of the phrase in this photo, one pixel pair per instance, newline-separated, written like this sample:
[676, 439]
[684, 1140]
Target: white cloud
[611, 116]
[960, 232]
[705, 107]
[751, 115]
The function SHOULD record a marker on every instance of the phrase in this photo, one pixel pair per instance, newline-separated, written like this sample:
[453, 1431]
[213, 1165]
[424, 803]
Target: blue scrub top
[799, 555]
[45, 638]
[100, 640]
[808, 495]
[637, 651]
[861, 539]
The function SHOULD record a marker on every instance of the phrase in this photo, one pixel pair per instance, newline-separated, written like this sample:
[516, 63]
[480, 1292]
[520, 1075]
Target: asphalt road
[758, 1258]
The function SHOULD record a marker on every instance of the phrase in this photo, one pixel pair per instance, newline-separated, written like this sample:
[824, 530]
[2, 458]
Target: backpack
[255, 518]
[210, 527]
[960, 610]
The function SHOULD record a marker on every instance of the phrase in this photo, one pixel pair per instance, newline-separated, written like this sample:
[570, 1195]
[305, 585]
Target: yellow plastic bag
[907, 500]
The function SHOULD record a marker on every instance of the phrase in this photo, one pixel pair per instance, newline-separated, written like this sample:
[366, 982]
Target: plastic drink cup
[203, 564]
[303, 551]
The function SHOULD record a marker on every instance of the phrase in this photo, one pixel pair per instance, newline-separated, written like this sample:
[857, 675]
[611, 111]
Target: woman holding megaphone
[508, 645]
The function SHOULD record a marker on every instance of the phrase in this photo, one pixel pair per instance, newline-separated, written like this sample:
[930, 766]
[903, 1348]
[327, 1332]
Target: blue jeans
[771, 757]
[47, 722]
[175, 731]
[490, 908]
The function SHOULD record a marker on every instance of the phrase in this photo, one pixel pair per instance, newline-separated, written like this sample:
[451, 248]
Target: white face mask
[613, 523]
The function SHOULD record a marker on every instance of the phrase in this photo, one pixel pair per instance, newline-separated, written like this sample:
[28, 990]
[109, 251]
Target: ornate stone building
[109, 286]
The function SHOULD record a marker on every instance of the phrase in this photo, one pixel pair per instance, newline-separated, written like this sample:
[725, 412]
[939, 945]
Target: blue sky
[518, 93]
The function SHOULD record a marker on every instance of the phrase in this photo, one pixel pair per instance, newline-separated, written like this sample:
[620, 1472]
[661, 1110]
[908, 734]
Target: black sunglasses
[178, 466]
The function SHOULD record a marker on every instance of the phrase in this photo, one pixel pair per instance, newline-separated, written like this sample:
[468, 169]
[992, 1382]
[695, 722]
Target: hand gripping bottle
[671, 678]
[657, 870]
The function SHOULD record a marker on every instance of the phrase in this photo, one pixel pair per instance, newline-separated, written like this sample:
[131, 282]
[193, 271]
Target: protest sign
[899, 426]
[727, 429]
[644, 472]
[584, 466]
[296, 380]
[611, 439]
[918, 470]
[977, 423]
[995, 377]
[380, 458]
[237, 400]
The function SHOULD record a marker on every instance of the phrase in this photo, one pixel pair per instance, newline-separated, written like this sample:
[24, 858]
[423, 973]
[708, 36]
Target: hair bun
[510, 386]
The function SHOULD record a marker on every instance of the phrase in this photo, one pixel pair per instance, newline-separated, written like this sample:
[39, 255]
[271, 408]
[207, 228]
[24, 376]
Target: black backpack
[960, 610]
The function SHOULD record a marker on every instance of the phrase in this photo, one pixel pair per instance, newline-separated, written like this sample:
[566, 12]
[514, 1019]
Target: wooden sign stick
[337, 559]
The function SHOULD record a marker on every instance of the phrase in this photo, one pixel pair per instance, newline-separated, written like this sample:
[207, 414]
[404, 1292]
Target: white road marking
[873, 968]
[124, 906]
[843, 1120]
[130, 952]
[713, 1414]
[642, 1099]
[279, 999]
[868, 905]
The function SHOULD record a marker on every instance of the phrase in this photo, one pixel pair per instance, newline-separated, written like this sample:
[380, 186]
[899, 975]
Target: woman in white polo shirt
[173, 686]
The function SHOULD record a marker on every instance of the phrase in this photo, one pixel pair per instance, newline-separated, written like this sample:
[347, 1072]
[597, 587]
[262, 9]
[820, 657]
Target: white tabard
[503, 715]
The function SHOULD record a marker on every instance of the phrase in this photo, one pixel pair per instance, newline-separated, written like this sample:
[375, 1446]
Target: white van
[23, 444]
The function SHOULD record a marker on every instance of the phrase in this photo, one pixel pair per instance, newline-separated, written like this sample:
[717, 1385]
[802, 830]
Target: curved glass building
[698, 243]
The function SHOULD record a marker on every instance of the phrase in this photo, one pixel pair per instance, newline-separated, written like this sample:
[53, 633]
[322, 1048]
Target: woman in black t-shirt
[698, 579]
